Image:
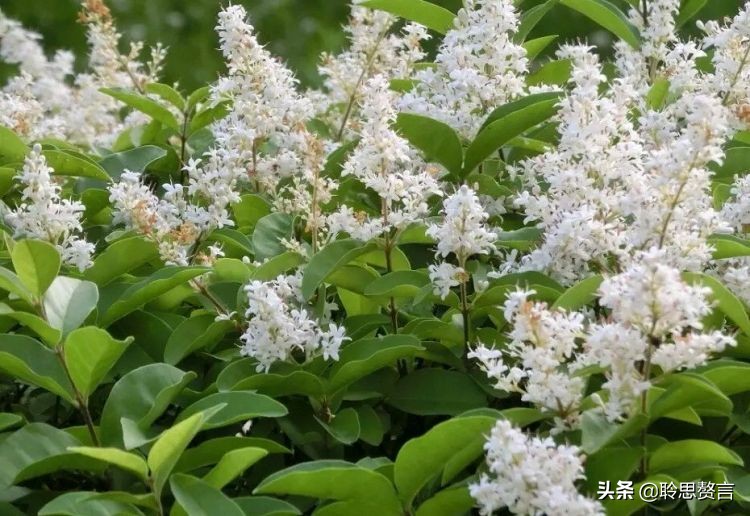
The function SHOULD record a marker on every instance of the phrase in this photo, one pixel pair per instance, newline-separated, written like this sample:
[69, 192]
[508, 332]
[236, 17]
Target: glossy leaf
[90, 353]
[334, 255]
[145, 105]
[28, 360]
[608, 16]
[148, 289]
[68, 302]
[438, 141]
[425, 13]
[36, 263]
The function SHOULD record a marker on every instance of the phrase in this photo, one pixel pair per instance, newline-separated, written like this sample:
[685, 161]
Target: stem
[389, 268]
[360, 80]
[736, 75]
[80, 399]
[212, 299]
[465, 315]
[183, 145]
[645, 370]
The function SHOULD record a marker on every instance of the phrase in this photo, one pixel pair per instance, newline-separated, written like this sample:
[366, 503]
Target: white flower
[535, 361]
[652, 297]
[373, 50]
[531, 475]
[278, 324]
[444, 276]
[463, 230]
[478, 68]
[384, 163]
[44, 215]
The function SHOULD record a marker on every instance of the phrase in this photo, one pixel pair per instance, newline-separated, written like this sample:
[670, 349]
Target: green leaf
[430, 15]
[36, 263]
[208, 116]
[238, 406]
[250, 210]
[282, 380]
[193, 334]
[365, 356]
[198, 96]
[535, 46]
[166, 451]
[210, 452]
[233, 241]
[160, 282]
[277, 265]
[597, 432]
[657, 95]
[141, 395]
[199, 498]
[135, 160]
[735, 163]
[8, 420]
[12, 148]
[448, 502]
[728, 376]
[689, 9]
[124, 460]
[49, 335]
[438, 142]
[675, 454]
[327, 260]
[423, 458]
[398, 284]
[726, 301]
[612, 464]
[555, 72]
[85, 503]
[66, 163]
[433, 391]
[507, 122]
[267, 235]
[531, 17]
[265, 506]
[689, 389]
[166, 92]
[232, 465]
[32, 444]
[371, 428]
[28, 360]
[579, 295]
[729, 246]
[121, 257]
[68, 301]
[608, 16]
[13, 284]
[144, 105]
[344, 426]
[90, 353]
[369, 491]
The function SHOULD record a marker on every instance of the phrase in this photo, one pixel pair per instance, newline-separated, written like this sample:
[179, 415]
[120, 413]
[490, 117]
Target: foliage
[437, 283]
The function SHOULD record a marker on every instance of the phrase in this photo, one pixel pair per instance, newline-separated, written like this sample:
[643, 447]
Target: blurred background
[295, 30]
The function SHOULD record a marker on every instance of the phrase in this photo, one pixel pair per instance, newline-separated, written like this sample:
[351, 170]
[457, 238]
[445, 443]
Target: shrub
[479, 280]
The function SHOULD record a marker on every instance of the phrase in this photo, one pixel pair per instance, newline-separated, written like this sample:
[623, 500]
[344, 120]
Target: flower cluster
[54, 102]
[373, 50]
[44, 215]
[531, 475]
[278, 324]
[384, 162]
[478, 67]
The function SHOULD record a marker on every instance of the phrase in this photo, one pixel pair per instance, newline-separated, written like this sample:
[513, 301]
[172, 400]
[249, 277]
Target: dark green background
[296, 30]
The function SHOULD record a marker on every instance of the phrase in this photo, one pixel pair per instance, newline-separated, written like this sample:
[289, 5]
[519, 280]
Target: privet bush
[481, 280]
